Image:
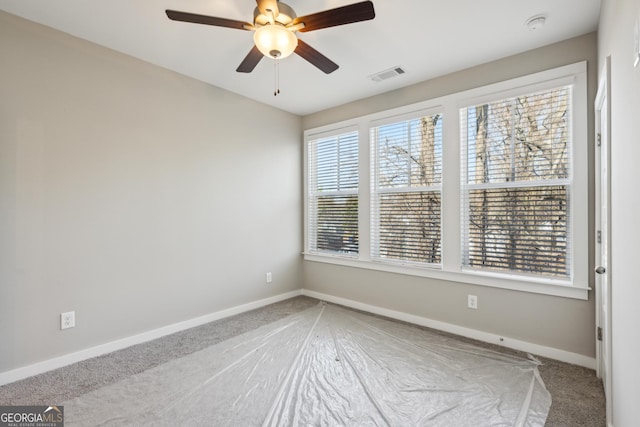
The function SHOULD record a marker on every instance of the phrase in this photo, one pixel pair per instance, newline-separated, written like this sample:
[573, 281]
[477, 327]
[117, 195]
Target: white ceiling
[427, 38]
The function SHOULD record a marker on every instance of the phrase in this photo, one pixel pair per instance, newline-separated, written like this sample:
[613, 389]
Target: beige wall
[561, 323]
[615, 39]
[139, 198]
[133, 195]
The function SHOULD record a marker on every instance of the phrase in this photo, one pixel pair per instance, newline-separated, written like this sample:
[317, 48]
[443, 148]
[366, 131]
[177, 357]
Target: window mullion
[451, 197]
[364, 194]
[512, 148]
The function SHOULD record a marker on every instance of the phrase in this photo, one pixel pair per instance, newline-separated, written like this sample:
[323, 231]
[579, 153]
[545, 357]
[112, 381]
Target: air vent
[387, 74]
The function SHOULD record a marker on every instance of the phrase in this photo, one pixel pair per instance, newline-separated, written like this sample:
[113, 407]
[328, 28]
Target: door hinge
[599, 139]
[599, 333]
[599, 236]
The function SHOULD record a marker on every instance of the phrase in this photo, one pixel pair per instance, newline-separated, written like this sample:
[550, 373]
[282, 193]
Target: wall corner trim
[536, 349]
[68, 359]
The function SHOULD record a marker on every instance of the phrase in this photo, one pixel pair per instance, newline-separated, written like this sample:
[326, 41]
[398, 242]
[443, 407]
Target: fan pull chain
[276, 78]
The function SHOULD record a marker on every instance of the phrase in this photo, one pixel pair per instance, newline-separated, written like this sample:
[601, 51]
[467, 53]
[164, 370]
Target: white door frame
[603, 231]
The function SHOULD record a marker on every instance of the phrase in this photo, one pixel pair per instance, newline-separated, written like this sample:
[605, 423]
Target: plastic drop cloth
[326, 366]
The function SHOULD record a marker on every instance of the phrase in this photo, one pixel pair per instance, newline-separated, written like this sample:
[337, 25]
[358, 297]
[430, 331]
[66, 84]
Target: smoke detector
[536, 22]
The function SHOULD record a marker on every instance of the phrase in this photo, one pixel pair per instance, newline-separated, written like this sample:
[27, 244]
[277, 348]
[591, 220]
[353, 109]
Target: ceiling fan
[275, 25]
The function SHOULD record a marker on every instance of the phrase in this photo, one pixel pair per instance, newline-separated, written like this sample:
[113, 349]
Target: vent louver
[387, 74]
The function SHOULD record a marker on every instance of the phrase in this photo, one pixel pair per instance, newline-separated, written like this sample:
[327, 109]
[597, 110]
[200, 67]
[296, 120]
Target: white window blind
[406, 202]
[489, 186]
[333, 194]
[516, 184]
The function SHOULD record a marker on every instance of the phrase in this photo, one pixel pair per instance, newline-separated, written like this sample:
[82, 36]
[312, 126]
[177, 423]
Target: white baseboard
[67, 359]
[536, 349]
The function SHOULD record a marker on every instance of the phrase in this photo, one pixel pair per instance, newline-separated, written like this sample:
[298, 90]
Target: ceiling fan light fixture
[275, 41]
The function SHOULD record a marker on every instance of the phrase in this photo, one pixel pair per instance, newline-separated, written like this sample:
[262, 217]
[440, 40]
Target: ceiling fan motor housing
[285, 16]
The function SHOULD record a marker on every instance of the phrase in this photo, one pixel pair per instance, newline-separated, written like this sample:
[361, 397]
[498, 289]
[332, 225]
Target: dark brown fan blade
[316, 58]
[266, 6]
[250, 61]
[206, 20]
[357, 12]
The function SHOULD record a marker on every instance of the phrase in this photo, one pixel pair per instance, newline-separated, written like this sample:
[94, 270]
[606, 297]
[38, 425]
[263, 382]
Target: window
[406, 222]
[333, 194]
[488, 186]
[516, 184]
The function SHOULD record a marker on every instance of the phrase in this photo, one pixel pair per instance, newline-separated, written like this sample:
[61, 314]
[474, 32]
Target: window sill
[495, 280]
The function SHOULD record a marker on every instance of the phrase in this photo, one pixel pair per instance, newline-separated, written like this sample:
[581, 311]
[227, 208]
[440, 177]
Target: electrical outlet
[269, 279]
[68, 320]
[472, 302]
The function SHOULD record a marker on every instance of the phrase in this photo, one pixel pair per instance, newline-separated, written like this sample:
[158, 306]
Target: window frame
[376, 191]
[311, 232]
[467, 187]
[577, 286]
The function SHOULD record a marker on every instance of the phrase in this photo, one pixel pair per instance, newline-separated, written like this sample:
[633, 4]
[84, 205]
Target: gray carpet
[577, 395]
